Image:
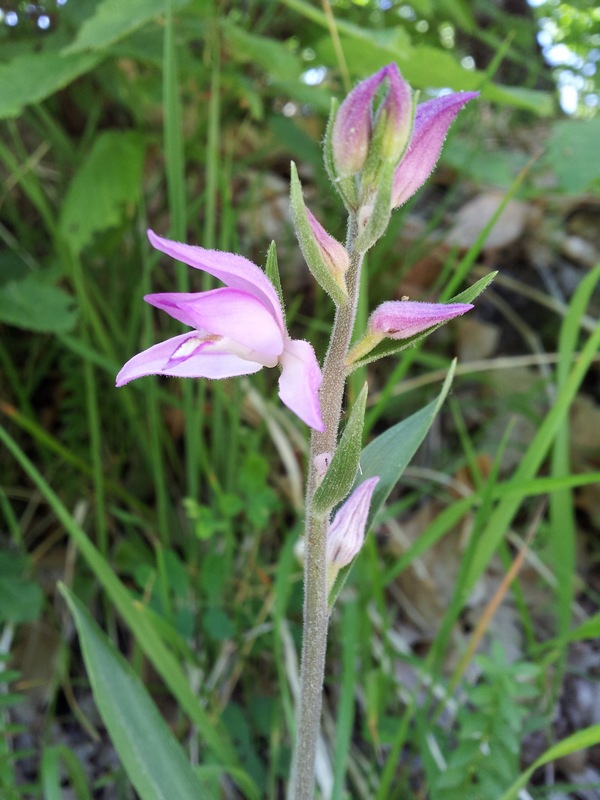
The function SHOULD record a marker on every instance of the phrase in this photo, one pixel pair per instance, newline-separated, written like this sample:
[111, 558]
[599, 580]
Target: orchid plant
[379, 150]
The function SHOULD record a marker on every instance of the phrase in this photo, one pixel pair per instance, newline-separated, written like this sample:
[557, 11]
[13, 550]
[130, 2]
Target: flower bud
[347, 531]
[394, 117]
[333, 253]
[352, 126]
[432, 120]
[400, 319]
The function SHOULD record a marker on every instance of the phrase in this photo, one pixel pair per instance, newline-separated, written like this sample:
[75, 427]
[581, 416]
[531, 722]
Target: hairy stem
[316, 616]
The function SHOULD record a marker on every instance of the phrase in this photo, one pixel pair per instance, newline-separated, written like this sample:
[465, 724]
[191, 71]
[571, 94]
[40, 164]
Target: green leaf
[272, 270]
[34, 304]
[590, 629]
[52, 775]
[21, 600]
[31, 77]
[271, 55]
[134, 614]
[390, 347]
[381, 212]
[389, 454]
[308, 244]
[109, 179]
[115, 19]
[152, 757]
[386, 458]
[588, 737]
[340, 476]
[572, 149]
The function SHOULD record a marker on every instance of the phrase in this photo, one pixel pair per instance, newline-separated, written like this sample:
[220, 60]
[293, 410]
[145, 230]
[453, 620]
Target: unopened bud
[334, 255]
[400, 319]
[432, 120]
[347, 531]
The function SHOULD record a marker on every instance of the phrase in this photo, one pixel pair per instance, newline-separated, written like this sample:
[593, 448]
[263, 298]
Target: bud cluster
[379, 155]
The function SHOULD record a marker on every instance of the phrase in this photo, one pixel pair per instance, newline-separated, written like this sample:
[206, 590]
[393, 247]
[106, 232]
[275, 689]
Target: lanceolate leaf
[308, 244]
[340, 476]
[388, 456]
[272, 270]
[152, 757]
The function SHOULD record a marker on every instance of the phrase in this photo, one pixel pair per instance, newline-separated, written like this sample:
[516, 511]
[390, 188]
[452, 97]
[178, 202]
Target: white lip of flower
[221, 344]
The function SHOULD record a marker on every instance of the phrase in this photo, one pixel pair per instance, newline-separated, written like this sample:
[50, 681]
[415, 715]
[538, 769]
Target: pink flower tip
[353, 125]
[334, 254]
[347, 531]
[432, 121]
[400, 319]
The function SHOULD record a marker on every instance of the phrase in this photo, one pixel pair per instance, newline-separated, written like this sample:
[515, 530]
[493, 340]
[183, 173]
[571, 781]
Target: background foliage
[171, 509]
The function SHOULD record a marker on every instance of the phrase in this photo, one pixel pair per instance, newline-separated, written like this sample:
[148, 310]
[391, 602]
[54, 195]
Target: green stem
[316, 615]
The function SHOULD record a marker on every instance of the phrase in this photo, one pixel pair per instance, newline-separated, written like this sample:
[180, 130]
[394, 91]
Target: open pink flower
[237, 331]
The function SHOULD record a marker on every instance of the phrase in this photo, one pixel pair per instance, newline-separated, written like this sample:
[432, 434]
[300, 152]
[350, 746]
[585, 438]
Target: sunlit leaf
[109, 179]
[31, 77]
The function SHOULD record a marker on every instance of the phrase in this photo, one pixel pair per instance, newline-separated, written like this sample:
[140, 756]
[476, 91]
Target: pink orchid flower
[238, 330]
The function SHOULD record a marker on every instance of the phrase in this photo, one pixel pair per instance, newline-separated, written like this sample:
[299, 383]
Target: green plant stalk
[316, 613]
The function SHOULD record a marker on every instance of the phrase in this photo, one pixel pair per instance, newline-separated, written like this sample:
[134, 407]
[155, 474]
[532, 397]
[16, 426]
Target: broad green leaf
[342, 471]
[115, 19]
[572, 154]
[152, 757]
[21, 600]
[308, 243]
[31, 77]
[34, 304]
[109, 180]
[389, 454]
[271, 55]
[390, 347]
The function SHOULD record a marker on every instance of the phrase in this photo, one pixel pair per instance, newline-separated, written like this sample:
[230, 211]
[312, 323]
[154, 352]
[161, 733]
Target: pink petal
[347, 531]
[333, 253]
[397, 108]
[299, 382]
[235, 271]
[399, 319]
[352, 126]
[226, 312]
[209, 363]
[432, 120]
